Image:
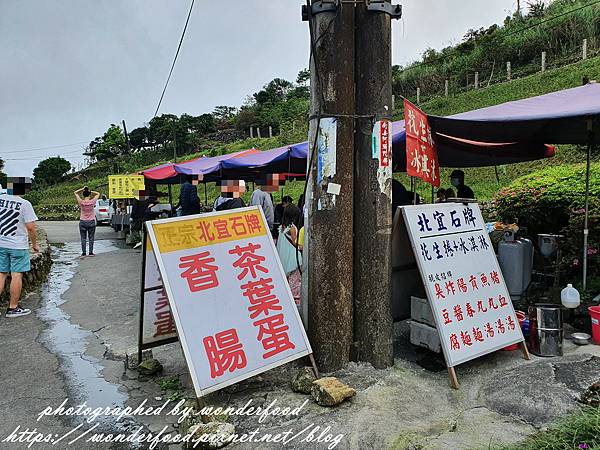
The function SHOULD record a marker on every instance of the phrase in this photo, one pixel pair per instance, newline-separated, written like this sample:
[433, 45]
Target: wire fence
[432, 84]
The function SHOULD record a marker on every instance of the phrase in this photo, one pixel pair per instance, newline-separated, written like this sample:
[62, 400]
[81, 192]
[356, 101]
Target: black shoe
[17, 312]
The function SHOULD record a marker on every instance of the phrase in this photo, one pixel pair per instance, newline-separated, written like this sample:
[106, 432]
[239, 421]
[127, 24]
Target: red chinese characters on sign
[248, 260]
[163, 318]
[385, 153]
[224, 352]
[199, 271]
[264, 304]
[421, 154]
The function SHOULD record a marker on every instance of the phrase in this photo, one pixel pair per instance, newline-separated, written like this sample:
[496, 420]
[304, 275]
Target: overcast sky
[69, 68]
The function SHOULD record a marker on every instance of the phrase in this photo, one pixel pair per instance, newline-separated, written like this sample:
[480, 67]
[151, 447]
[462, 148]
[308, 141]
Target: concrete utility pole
[329, 232]
[372, 192]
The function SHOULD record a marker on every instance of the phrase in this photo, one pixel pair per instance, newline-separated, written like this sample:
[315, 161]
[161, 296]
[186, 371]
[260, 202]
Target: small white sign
[467, 293]
[232, 305]
[334, 188]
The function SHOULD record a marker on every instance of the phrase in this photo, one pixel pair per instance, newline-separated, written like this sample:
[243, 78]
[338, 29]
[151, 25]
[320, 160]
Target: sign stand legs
[525, 350]
[453, 378]
[314, 365]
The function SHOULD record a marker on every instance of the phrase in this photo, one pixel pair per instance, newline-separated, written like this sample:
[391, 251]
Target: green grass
[580, 429]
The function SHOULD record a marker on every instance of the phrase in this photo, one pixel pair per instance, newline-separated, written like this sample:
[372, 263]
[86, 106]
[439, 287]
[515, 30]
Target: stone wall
[40, 268]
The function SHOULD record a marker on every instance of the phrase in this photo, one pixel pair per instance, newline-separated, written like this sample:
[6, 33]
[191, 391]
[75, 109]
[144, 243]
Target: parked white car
[102, 211]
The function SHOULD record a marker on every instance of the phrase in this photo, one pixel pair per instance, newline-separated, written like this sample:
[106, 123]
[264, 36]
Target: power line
[174, 59]
[41, 157]
[502, 36]
[44, 148]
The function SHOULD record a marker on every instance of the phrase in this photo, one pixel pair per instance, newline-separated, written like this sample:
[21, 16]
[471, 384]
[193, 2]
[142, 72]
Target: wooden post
[453, 378]
[584, 50]
[251, 133]
[418, 95]
[293, 126]
[446, 86]
[270, 131]
[258, 132]
[508, 70]
[543, 62]
[476, 80]
[525, 350]
[393, 102]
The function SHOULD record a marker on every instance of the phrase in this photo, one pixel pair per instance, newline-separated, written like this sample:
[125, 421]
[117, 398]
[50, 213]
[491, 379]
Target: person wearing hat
[457, 179]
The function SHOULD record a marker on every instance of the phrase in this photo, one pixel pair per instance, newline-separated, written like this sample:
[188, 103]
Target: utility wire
[43, 148]
[174, 59]
[502, 36]
[41, 157]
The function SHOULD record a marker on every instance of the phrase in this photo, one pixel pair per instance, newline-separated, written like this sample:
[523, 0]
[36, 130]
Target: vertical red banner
[421, 154]
[384, 139]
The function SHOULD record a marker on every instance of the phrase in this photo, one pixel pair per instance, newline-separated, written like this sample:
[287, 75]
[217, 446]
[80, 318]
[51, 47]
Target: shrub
[552, 200]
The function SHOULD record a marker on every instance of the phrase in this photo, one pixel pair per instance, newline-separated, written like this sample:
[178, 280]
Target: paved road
[59, 232]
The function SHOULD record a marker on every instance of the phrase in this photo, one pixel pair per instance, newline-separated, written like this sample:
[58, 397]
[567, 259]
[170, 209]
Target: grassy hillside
[482, 180]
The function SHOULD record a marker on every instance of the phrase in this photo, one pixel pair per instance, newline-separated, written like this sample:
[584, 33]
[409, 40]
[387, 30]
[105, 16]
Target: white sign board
[233, 308]
[469, 299]
[157, 320]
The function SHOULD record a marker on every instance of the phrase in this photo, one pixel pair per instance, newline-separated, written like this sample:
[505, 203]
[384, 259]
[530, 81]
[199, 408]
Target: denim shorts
[14, 260]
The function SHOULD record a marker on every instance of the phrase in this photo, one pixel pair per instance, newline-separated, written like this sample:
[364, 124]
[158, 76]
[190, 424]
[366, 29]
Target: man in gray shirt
[263, 199]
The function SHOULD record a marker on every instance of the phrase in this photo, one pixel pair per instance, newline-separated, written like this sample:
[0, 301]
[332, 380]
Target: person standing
[457, 179]
[188, 197]
[263, 199]
[17, 228]
[287, 248]
[87, 217]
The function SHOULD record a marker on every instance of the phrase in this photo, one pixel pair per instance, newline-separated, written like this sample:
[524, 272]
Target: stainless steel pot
[546, 330]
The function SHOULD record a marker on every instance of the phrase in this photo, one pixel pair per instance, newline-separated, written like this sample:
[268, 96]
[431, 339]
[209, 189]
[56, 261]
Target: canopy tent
[457, 152]
[162, 172]
[208, 165]
[290, 160]
[570, 116]
[556, 118]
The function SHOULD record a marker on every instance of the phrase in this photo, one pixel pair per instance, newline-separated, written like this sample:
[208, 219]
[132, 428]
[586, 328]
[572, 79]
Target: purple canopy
[289, 160]
[207, 165]
[556, 118]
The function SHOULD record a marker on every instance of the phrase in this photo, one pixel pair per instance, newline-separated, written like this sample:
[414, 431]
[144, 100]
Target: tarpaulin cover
[160, 172]
[555, 118]
[207, 165]
[288, 159]
[455, 152]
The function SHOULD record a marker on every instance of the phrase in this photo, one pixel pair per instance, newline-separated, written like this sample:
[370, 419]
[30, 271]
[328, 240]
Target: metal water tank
[515, 256]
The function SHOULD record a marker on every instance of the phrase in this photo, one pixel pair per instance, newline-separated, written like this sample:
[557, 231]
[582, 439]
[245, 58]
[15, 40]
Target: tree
[275, 91]
[303, 77]
[51, 170]
[224, 113]
[139, 136]
[111, 144]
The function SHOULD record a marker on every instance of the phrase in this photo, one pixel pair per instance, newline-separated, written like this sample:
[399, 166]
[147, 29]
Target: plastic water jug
[569, 297]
